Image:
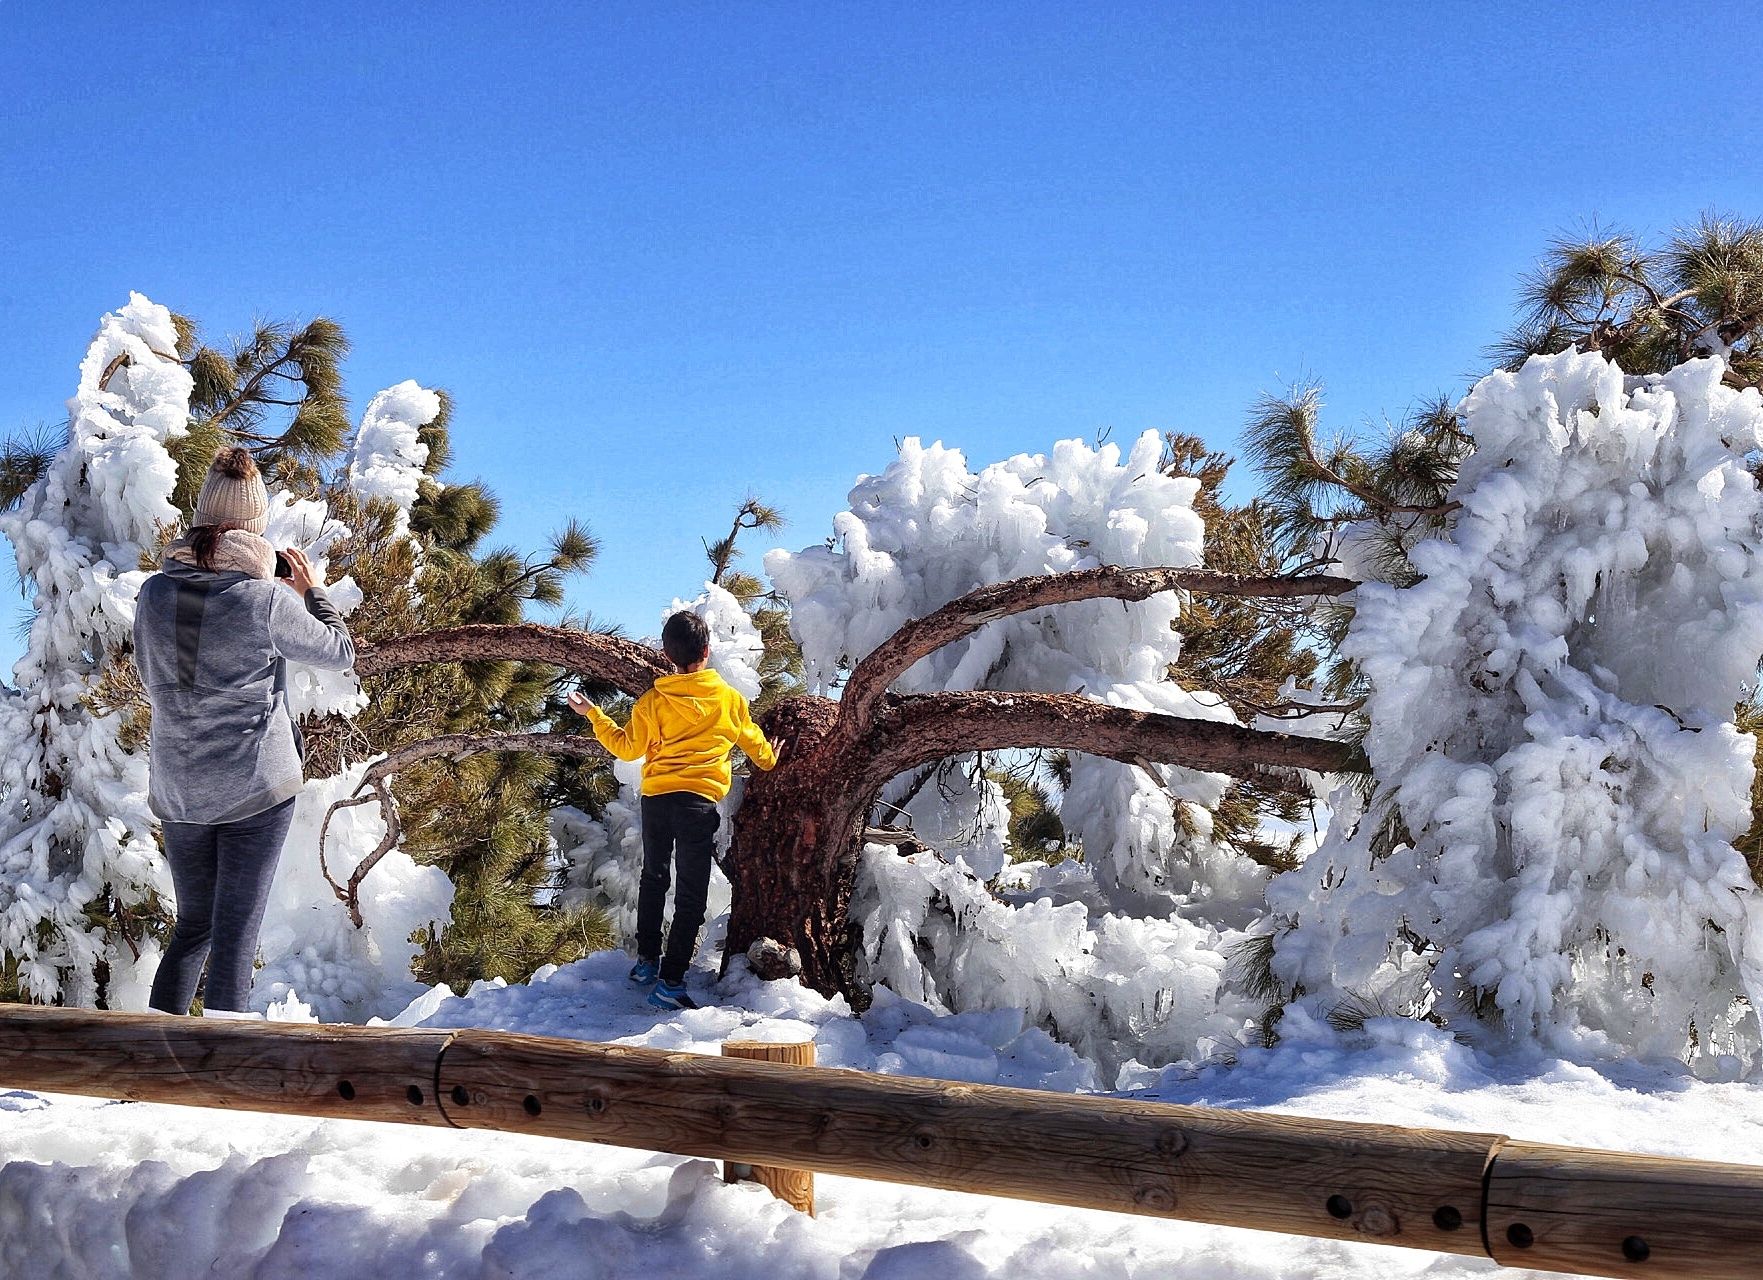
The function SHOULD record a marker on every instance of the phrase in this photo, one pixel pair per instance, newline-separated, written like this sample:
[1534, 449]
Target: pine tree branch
[508, 590]
[246, 392]
[752, 515]
[723, 553]
[918, 729]
[1370, 497]
[121, 362]
[612, 660]
[456, 746]
[350, 896]
[870, 679]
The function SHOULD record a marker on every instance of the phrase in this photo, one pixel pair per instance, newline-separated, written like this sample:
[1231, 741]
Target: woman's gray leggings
[221, 874]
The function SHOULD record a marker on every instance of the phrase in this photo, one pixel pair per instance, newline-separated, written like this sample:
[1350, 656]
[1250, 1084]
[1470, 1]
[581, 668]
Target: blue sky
[665, 256]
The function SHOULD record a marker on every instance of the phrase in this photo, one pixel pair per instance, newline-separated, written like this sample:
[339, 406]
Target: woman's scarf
[235, 551]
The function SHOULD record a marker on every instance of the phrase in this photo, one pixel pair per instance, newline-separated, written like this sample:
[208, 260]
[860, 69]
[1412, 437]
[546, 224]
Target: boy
[683, 728]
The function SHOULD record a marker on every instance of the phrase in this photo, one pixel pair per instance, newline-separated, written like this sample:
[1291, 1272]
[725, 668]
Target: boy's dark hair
[685, 639]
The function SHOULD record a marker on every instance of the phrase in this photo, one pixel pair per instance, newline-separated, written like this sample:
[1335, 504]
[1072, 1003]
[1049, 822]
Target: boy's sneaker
[644, 972]
[671, 995]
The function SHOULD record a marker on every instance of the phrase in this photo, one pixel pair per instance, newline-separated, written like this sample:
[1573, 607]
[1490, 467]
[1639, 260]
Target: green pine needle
[574, 549]
[24, 459]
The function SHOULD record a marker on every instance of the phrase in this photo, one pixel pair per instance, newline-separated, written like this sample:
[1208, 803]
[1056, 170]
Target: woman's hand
[579, 704]
[302, 577]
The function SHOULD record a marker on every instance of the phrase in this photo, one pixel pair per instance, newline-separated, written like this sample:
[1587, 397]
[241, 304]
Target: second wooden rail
[1477, 1194]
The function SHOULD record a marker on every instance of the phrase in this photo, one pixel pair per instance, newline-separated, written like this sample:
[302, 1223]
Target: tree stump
[794, 1187]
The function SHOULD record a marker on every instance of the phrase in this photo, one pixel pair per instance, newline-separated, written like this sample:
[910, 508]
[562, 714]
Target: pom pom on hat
[234, 493]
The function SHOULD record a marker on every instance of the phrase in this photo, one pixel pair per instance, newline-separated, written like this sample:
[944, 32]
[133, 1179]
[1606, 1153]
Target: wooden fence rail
[1478, 1194]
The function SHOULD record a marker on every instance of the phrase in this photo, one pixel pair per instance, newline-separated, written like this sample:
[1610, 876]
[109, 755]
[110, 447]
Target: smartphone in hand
[282, 568]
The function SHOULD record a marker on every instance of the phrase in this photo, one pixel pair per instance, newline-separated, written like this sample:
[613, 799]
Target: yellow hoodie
[683, 729]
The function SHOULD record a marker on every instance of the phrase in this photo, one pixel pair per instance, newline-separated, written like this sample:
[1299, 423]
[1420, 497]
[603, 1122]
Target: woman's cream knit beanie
[234, 493]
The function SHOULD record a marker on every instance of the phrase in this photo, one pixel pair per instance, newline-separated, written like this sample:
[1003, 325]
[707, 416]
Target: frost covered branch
[962, 616]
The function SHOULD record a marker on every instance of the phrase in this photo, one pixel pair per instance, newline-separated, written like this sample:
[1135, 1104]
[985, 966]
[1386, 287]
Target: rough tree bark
[795, 840]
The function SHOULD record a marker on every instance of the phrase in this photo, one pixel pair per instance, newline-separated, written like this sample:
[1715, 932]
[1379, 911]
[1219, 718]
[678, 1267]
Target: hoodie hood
[692, 685]
[694, 699]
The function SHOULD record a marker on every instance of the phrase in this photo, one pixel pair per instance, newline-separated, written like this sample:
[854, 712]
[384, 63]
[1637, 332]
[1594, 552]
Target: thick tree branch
[916, 730]
[965, 615]
[612, 660]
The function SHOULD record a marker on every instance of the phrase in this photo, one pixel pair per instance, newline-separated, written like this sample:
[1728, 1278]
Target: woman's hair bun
[236, 463]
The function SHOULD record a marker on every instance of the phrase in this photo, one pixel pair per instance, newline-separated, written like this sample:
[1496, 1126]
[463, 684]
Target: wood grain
[1274, 1173]
[795, 1187]
[304, 1069]
[1608, 1214]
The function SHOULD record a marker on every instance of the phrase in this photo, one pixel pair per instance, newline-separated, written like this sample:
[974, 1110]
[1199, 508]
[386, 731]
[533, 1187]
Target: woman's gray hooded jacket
[212, 649]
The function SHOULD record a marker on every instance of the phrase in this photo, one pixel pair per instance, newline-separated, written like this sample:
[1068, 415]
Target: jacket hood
[691, 684]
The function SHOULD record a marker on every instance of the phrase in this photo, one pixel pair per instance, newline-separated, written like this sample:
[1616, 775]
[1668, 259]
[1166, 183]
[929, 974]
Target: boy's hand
[579, 704]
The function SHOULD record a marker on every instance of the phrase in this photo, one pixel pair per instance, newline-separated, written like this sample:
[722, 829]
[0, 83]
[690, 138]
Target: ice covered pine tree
[79, 867]
[76, 838]
[1551, 729]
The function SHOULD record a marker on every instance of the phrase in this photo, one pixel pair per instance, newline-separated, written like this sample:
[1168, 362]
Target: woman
[213, 637]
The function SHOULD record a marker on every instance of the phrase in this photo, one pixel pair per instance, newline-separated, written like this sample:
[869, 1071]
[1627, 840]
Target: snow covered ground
[90, 1189]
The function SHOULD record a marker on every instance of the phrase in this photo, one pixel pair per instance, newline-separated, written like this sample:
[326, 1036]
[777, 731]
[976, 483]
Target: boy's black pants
[678, 827]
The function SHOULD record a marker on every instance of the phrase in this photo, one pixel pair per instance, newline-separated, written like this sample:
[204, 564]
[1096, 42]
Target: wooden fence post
[794, 1187]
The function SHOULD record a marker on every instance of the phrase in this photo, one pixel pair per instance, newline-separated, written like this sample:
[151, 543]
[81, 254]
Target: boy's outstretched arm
[752, 739]
[631, 743]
